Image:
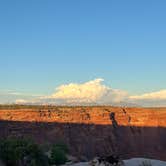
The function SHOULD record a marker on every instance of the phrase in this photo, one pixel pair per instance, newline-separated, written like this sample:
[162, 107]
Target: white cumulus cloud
[159, 95]
[152, 99]
[21, 101]
[90, 92]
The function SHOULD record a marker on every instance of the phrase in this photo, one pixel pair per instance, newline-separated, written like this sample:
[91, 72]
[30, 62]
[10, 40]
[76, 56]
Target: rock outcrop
[92, 131]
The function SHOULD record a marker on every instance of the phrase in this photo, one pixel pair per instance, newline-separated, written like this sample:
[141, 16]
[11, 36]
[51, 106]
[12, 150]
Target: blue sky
[44, 44]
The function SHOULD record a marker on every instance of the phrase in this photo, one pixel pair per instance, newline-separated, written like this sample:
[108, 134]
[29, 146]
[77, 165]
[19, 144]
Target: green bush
[18, 152]
[58, 154]
[36, 156]
[62, 146]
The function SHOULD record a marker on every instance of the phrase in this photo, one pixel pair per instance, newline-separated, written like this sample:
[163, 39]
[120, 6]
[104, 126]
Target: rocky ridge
[92, 131]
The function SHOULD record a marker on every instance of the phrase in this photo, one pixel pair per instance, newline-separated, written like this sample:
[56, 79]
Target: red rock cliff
[91, 131]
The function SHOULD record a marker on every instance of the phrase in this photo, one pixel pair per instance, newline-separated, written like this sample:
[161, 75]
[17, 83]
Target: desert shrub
[15, 152]
[62, 146]
[11, 151]
[146, 163]
[35, 156]
[58, 154]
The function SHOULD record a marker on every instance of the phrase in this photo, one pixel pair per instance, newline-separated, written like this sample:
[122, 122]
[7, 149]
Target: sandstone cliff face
[91, 131]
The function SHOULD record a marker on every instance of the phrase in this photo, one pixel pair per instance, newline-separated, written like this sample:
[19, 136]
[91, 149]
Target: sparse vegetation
[58, 154]
[62, 146]
[37, 107]
[19, 152]
[17, 106]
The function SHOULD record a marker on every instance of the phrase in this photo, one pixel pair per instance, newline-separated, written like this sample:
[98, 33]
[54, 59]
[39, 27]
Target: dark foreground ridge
[89, 140]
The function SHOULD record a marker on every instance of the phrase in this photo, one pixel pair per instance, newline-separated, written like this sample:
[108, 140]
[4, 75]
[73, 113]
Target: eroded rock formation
[92, 131]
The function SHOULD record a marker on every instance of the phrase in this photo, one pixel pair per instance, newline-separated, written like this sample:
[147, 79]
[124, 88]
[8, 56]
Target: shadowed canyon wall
[92, 131]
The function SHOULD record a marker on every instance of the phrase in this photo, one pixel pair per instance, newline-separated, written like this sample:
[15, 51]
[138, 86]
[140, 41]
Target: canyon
[91, 131]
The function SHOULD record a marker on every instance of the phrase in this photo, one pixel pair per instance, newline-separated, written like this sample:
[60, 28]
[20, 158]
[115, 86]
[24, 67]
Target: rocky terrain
[132, 162]
[92, 131]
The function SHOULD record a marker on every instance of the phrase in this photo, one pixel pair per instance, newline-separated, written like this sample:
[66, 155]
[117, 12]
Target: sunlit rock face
[92, 131]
